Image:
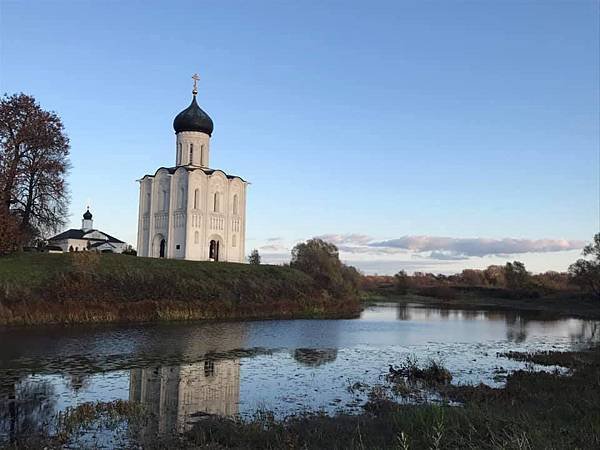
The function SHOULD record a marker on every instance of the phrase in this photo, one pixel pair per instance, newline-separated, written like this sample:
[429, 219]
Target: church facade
[86, 238]
[189, 210]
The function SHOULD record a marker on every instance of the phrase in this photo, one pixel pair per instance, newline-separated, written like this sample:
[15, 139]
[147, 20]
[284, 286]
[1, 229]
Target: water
[181, 372]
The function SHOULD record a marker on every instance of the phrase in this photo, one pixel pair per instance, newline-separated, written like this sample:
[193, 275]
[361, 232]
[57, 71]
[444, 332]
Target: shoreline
[588, 309]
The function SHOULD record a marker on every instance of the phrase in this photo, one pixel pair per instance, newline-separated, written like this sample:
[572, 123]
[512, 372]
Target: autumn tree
[516, 275]
[401, 282]
[321, 261]
[586, 272]
[34, 151]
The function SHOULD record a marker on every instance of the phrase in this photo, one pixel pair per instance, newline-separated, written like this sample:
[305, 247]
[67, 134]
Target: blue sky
[384, 120]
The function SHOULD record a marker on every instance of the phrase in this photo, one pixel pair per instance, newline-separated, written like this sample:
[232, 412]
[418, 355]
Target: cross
[195, 77]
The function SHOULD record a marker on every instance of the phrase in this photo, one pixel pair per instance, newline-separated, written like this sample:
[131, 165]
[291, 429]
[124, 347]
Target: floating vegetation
[433, 372]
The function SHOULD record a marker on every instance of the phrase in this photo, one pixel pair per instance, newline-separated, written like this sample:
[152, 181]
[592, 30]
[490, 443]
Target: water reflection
[182, 372]
[175, 395]
[27, 410]
[314, 357]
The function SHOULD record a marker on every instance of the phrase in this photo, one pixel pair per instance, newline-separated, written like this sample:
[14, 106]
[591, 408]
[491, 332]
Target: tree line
[582, 275]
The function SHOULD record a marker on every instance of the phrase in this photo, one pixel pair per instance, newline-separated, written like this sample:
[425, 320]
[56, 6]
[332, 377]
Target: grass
[88, 287]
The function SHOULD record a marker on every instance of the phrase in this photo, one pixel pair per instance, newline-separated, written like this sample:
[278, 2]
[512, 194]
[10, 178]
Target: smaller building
[86, 239]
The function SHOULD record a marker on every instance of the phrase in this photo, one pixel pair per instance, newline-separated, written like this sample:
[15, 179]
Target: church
[189, 210]
[86, 238]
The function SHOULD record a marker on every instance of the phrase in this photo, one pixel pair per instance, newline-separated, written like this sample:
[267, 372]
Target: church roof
[74, 233]
[193, 118]
[206, 170]
[87, 215]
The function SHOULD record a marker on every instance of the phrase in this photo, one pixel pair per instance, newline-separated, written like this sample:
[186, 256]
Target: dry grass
[85, 287]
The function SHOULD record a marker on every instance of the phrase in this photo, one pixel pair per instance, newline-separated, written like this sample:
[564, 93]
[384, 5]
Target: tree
[586, 272]
[254, 257]
[401, 282]
[321, 261]
[516, 275]
[34, 151]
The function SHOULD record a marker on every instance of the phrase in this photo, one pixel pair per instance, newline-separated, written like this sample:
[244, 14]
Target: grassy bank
[535, 410]
[88, 287]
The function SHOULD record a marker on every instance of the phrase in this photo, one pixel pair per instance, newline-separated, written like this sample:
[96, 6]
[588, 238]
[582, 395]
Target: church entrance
[159, 246]
[213, 250]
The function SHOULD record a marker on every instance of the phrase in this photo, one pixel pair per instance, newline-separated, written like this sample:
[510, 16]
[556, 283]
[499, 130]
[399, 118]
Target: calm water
[181, 372]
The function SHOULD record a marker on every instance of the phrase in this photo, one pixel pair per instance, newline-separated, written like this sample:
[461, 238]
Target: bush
[321, 261]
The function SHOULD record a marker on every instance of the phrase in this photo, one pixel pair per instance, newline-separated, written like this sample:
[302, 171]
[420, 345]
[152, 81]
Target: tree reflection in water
[315, 357]
[26, 408]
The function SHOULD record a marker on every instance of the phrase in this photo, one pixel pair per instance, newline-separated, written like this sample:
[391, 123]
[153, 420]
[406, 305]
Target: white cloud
[445, 247]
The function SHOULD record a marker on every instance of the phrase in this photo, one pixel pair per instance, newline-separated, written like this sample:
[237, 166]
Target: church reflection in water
[176, 396]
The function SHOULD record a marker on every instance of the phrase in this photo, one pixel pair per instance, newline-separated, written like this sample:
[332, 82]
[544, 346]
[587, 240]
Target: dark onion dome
[193, 119]
[87, 215]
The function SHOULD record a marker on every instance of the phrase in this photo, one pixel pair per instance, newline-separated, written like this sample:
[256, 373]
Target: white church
[190, 211]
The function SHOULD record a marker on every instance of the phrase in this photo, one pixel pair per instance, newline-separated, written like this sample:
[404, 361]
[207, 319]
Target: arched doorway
[159, 246]
[213, 250]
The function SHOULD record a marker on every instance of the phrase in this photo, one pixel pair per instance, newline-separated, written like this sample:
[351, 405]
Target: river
[182, 371]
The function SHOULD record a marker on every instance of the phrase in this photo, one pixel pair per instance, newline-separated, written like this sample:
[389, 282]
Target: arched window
[191, 154]
[196, 238]
[216, 202]
[235, 204]
[202, 156]
[196, 198]
[234, 241]
[179, 152]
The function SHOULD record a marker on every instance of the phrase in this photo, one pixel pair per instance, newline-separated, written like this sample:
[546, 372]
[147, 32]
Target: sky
[425, 135]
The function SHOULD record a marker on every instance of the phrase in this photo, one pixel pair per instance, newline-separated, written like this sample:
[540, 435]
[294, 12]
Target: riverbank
[549, 306]
[39, 288]
[533, 410]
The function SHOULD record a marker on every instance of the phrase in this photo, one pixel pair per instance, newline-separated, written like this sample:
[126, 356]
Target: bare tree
[34, 151]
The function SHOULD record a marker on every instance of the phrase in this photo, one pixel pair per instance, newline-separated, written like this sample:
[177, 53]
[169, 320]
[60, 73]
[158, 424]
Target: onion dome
[87, 215]
[193, 119]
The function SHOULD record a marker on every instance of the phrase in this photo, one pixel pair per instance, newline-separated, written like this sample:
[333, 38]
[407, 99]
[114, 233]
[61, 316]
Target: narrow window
[181, 198]
[179, 155]
[196, 198]
[196, 237]
[216, 202]
[234, 241]
[165, 201]
[191, 153]
[148, 202]
[235, 204]
[202, 156]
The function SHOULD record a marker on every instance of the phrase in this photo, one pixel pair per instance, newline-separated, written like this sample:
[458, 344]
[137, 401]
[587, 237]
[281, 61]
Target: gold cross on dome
[195, 77]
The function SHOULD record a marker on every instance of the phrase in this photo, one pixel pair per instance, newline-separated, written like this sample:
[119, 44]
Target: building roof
[74, 233]
[193, 119]
[191, 168]
[87, 215]
[98, 244]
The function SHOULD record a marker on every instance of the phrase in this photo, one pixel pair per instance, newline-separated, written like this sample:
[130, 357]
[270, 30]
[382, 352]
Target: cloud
[453, 248]
[346, 239]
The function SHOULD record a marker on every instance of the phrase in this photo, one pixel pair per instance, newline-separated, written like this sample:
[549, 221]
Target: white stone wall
[194, 144]
[199, 208]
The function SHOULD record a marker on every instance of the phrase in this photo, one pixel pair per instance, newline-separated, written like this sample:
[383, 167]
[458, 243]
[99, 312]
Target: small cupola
[87, 223]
